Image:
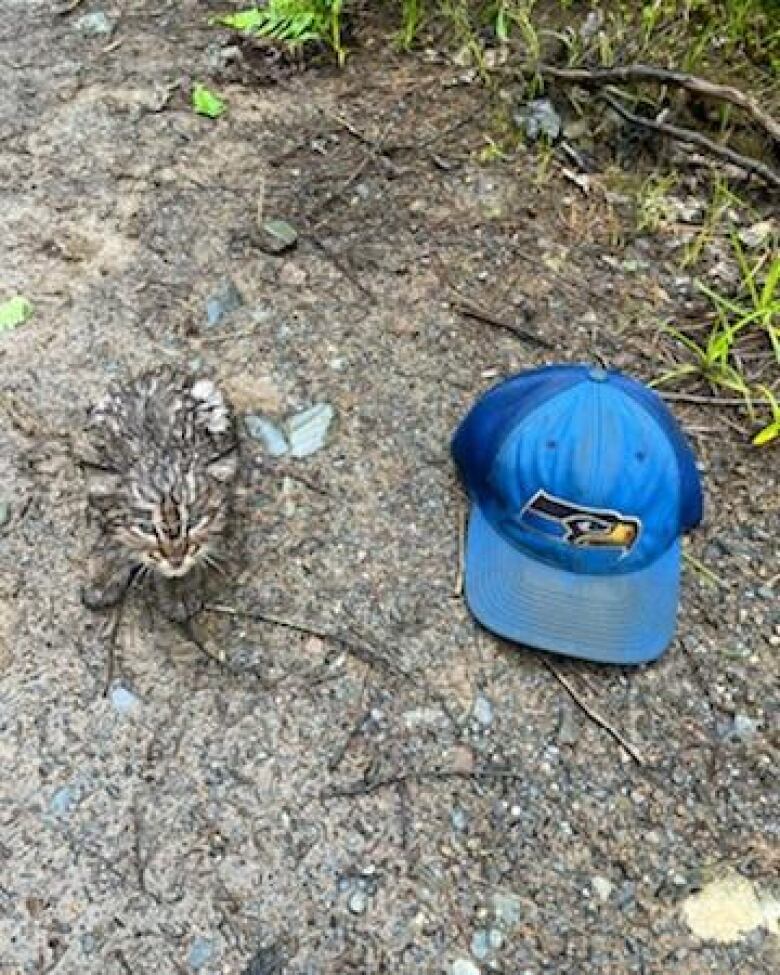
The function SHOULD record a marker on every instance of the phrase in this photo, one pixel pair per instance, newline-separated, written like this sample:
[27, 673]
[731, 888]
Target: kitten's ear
[225, 467]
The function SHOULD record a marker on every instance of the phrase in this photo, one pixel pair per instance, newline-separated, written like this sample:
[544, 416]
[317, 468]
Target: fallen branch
[627, 747]
[751, 166]
[648, 72]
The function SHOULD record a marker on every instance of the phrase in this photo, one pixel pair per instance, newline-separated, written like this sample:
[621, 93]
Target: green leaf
[14, 312]
[205, 102]
[767, 435]
[502, 24]
[242, 20]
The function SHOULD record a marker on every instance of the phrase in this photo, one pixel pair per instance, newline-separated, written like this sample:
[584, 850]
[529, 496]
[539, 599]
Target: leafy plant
[755, 309]
[764, 297]
[710, 361]
[411, 20]
[293, 23]
[723, 200]
[653, 207]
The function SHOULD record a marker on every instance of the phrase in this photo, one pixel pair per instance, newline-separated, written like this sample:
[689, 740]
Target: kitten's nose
[176, 557]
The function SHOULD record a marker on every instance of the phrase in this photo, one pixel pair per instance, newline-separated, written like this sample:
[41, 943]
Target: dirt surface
[188, 822]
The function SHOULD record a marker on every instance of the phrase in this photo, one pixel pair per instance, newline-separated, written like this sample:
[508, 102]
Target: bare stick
[141, 861]
[340, 190]
[375, 148]
[689, 137]
[627, 747]
[112, 629]
[663, 76]
[461, 549]
[339, 264]
[704, 400]
[702, 569]
[367, 788]
[465, 307]
[352, 734]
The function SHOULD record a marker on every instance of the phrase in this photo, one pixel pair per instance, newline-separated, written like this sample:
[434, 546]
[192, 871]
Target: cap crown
[582, 468]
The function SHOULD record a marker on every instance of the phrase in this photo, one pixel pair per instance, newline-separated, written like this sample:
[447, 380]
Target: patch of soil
[195, 828]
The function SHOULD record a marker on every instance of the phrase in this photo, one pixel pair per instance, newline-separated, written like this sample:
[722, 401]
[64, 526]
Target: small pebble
[480, 945]
[200, 953]
[568, 729]
[742, 728]
[268, 433]
[738, 651]
[417, 717]
[308, 431]
[602, 887]
[94, 24]
[756, 235]
[224, 301]
[266, 961]
[539, 119]
[358, 902]
[506, 909]
[278, 236]
[292, 275]
[626, 896]
[464, 966]
[123, 699]
[483, 710]
[459, 819]
[62, 801]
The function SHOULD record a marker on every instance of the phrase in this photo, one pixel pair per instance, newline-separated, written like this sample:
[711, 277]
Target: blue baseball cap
[581, 485]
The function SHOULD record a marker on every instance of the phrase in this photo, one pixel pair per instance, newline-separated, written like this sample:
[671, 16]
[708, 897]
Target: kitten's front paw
[179, 601]
[106, 591]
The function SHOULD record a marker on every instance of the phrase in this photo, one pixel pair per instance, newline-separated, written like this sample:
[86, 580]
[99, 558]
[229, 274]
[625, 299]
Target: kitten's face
[173, 530]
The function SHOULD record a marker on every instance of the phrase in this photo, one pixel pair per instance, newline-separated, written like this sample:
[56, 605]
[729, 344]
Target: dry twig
[461, 550]
[703, 400]
[627, 747]
[111, 630]
[363, 787]
[465, 307]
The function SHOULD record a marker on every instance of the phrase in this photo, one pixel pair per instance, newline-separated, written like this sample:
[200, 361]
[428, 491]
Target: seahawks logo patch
[579, 526]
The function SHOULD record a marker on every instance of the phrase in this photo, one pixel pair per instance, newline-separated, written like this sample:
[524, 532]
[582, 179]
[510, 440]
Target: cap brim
[616, 619]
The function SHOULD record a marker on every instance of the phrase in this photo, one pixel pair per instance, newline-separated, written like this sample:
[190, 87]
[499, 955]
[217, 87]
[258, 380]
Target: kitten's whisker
[139, 575]
[213, 563]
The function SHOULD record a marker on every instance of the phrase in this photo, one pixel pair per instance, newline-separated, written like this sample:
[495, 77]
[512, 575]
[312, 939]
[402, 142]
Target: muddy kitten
[161, 466]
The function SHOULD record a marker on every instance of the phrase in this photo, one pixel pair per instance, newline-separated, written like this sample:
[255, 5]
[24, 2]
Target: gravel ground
[388, 788]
